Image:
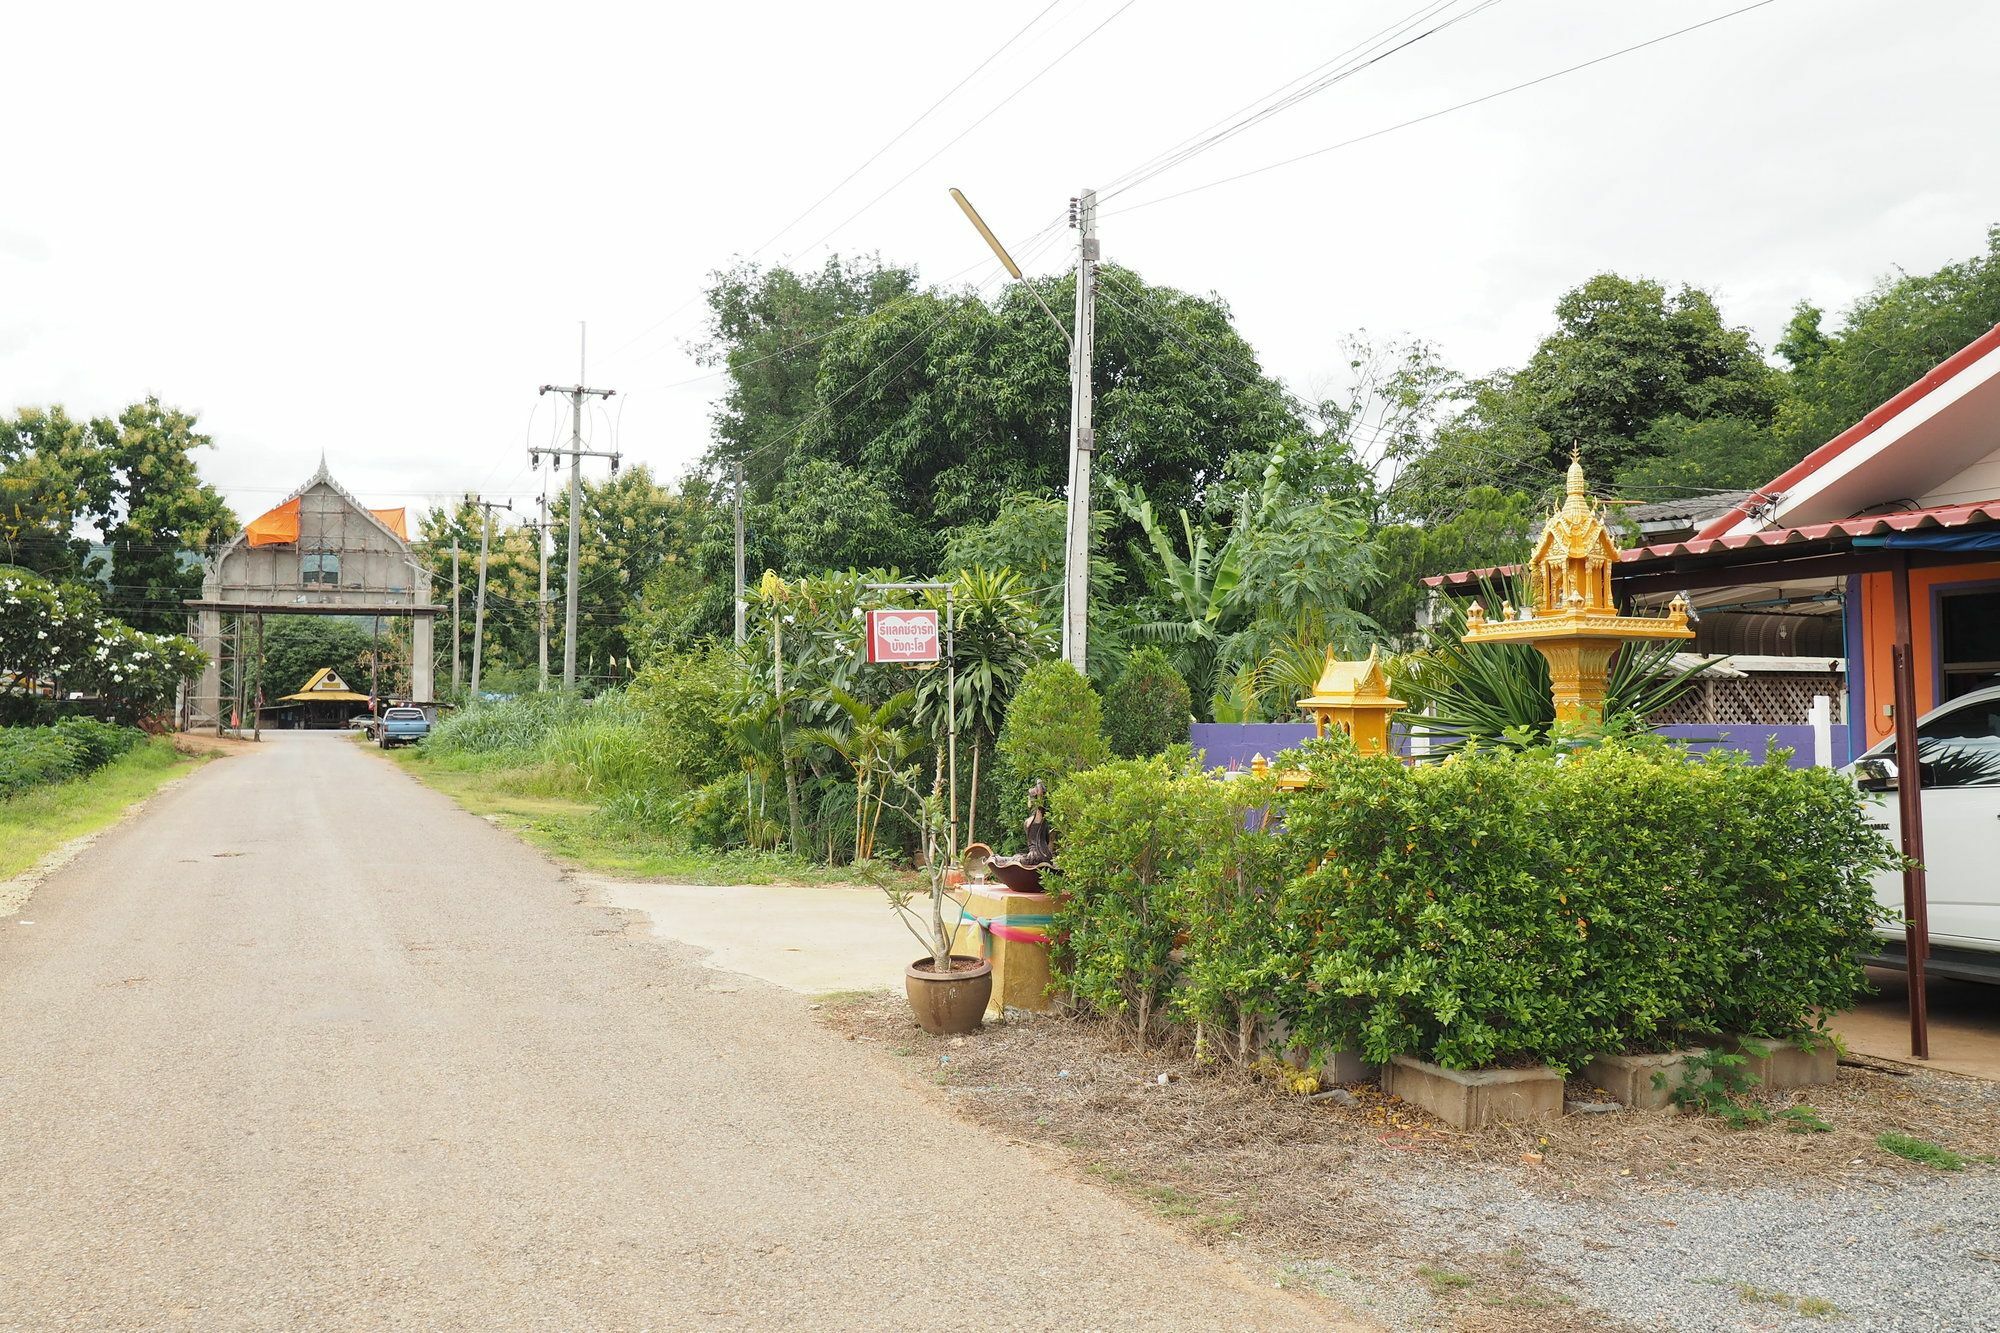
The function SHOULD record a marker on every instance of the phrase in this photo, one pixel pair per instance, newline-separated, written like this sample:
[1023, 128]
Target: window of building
[320, 567]
[1969, 634]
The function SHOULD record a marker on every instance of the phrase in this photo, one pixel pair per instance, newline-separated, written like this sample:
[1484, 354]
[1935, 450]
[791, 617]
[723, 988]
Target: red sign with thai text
[903, 636]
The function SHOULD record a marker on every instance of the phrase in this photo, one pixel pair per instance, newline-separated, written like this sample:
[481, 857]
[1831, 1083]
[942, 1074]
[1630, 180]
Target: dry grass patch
[1309, 1184]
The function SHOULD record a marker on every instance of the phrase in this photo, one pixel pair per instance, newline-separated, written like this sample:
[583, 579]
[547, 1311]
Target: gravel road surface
[306, 1046]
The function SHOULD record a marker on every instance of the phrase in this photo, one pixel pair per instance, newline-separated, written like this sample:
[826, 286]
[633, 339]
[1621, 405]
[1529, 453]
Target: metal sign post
[950, 693]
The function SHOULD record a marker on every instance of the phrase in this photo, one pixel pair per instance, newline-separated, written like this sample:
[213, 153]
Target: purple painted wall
[1231, 744]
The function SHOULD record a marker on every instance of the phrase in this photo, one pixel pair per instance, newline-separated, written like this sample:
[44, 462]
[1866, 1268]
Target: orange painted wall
[1878, 630]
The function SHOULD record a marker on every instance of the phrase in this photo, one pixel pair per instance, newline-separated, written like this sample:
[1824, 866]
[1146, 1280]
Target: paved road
[306, 1046]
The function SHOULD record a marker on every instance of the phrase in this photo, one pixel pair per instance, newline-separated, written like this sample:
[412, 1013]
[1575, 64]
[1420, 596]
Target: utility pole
[1082, 439]
[742, 631]
[576, 393]
[542, 587]
[454, 615]
[486, 508]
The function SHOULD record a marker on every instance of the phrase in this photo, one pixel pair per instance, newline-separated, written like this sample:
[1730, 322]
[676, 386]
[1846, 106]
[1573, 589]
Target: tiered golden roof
[1574, 622]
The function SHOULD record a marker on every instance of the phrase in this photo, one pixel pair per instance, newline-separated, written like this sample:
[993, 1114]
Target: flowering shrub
[1503, 907]
[58, 635]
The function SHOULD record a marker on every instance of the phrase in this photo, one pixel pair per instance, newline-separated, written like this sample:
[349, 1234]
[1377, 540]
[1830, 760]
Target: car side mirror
[1875, 775]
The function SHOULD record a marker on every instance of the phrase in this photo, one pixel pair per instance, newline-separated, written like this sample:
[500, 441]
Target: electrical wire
[990, 113]
[1443, 111]
[1369, 56]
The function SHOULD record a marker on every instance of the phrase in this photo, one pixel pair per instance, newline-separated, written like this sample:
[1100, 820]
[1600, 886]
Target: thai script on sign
[903, 636]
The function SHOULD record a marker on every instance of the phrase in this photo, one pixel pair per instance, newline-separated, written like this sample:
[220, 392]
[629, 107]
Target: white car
[1958, 748]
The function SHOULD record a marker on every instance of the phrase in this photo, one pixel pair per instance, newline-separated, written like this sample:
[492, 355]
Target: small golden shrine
[1573, 622]
[1353, 697]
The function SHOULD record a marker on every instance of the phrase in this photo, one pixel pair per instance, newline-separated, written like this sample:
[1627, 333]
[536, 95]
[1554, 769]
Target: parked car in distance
[402, 726]
[1958, 753]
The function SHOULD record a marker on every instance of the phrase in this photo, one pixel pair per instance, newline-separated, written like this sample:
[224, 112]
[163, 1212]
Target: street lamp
[1076, 543]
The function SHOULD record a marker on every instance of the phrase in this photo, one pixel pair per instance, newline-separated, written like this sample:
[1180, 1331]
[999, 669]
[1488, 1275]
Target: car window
[1962, 748]
[404, 714]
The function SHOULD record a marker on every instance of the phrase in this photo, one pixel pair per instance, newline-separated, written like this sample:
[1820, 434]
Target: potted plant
[948, 991]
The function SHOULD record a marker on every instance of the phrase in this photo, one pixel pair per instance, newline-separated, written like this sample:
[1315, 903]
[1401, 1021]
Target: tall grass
[556, 744]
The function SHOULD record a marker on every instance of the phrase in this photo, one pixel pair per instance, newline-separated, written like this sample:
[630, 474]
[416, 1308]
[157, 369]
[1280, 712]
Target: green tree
[766, 328]
[297, 646]
[1054, 728]
[1625, 353]
[1686, 457]
[827, 516]
[1887, 341]
[1148, 707]
[1491, 528]
[157, 516]
[46, 461]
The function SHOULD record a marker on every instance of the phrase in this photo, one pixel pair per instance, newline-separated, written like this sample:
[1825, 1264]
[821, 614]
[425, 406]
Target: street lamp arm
[1007, 261]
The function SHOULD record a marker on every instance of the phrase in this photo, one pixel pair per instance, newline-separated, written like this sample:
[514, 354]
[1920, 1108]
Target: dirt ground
[1330, 1189]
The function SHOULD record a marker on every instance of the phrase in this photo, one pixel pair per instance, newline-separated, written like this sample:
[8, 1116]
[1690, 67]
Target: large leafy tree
[46, 461]
[766, 328]
[156, 514]
[1626, 352]
[297, 646]
[1887, 341]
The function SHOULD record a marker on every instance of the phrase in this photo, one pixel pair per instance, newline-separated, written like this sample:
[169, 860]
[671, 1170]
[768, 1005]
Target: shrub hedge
[73, 747]
[1499, 908]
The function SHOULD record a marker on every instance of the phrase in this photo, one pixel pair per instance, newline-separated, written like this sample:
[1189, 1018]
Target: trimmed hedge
[71, 748]
[1498, 908]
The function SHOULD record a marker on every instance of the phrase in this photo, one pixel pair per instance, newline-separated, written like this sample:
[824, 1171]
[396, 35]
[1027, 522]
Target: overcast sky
[373, 230]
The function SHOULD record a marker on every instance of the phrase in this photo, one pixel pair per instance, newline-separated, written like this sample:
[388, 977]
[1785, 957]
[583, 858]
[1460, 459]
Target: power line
[902, 133]
[990, 113]
[1444, 111]
[1370, 55]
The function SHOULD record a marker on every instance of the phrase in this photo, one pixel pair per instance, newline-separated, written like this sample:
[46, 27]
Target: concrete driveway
[306, 1046]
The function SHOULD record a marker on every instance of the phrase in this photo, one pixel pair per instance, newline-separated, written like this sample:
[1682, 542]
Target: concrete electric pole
[486, 509]
[1082, 439]
[576, 393]
[541, 526]
[454, 616]
[1076, 542]
[742, 608]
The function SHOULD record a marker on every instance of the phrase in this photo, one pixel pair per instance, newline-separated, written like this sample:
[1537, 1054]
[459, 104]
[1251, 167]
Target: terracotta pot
[953, 877]
[945, 1006]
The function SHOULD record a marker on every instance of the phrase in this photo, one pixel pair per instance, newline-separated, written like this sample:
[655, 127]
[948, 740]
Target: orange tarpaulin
[280, 527]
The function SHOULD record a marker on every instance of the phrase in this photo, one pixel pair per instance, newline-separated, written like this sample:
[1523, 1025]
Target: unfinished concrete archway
[320, 551]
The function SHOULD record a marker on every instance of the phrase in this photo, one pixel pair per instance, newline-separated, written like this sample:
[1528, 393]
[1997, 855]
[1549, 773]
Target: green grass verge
[579, 831]
[37, 822]
[1921, 1151]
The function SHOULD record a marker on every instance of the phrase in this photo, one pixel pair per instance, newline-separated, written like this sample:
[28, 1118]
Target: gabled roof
[1932, 431]
[280, 523]
[326, 686]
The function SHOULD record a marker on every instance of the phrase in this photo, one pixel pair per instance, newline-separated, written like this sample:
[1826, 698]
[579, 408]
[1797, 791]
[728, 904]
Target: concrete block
[1629, 1078]
[1783, 1065]
[1476, 1098]
[1020, 961]
[1274, 1038]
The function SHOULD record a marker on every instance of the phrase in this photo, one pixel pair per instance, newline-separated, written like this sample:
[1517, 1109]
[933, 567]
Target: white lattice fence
[1774, 699]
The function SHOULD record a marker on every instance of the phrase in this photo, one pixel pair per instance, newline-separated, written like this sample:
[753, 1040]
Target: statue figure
[1040, 852]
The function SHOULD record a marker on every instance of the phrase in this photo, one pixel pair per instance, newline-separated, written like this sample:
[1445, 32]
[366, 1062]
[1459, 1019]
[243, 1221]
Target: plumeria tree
[55, 638]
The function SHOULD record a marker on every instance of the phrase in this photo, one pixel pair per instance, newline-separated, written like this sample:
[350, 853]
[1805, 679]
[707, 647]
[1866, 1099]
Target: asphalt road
[306, 1046]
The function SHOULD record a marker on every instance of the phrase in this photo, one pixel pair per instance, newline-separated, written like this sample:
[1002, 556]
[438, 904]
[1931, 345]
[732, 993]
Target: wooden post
[1909, 800]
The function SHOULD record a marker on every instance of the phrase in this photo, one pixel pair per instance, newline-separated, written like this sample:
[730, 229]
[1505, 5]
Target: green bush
[99, 742]
[1504, 907]
[71, 747]
[1135, 833]
[1148, 708]
[1054, 728]
[35, 757]
[686, 698]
